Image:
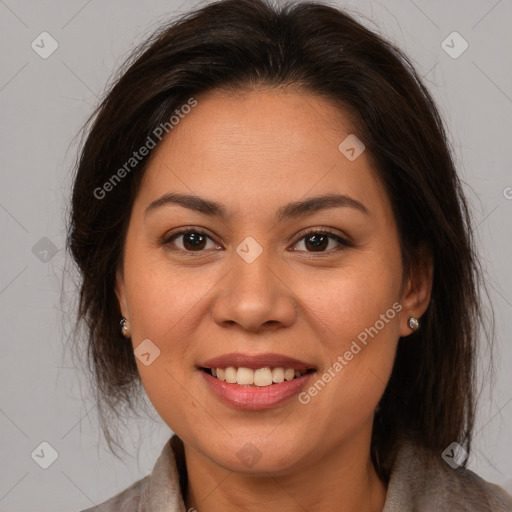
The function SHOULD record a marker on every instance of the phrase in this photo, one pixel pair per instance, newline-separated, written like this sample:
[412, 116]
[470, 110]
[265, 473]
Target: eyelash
[167, 240]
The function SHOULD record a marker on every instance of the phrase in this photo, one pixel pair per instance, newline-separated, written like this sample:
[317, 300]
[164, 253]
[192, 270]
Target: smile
[259, 377]
[255, 381]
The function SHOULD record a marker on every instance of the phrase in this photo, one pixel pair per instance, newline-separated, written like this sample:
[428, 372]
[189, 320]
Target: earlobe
[417, 291]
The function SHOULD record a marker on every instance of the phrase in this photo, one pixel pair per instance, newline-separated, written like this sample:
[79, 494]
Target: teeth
[289, 374]
[263, 377]
[245, 376]
[260, 377]
[278, 375]
[231, 374]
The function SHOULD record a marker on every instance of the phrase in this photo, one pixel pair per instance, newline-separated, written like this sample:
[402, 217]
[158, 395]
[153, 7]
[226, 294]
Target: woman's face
[249, 286]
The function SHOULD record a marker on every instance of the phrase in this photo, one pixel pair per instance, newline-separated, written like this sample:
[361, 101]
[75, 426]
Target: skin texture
[255, 152]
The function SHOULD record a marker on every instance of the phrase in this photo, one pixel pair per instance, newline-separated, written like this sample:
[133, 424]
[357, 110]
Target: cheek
[164, 306]
[352, 299]
[164, 299]
[358, 315]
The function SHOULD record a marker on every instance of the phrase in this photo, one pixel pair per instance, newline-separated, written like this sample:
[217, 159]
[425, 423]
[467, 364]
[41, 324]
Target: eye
[192, 240]
[318, 240]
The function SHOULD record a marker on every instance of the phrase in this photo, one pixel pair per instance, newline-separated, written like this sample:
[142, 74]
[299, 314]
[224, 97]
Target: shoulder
[466, 490]
[128, 500]
[423, 482]
[158, 491]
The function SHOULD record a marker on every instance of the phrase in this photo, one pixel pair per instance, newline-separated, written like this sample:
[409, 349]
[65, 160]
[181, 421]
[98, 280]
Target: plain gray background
[43, 104]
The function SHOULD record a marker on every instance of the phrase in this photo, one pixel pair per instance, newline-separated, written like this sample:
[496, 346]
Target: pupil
[193, 240]
[318, 241]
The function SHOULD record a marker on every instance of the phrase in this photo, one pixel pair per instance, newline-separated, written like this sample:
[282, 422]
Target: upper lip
[256, 361]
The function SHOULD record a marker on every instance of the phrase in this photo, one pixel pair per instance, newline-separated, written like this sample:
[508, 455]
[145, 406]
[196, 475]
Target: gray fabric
[416, 485]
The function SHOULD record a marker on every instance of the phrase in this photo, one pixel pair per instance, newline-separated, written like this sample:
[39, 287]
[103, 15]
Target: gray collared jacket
[414, 486]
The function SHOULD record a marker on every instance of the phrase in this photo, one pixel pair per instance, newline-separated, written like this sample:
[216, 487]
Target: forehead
[260, 147]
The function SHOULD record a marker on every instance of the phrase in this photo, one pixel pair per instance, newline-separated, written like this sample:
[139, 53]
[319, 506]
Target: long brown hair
[234, 44]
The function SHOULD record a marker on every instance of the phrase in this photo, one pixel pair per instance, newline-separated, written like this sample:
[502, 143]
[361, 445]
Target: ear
[120, 291]
[417, 288]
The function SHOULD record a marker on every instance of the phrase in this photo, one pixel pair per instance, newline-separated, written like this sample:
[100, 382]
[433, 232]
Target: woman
[273, 241]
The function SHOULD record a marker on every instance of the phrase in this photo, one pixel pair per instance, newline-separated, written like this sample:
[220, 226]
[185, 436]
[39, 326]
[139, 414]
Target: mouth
[259, 377]
[255, 382]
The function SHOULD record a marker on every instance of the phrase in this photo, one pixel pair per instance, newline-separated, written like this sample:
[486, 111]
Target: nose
[255, 296]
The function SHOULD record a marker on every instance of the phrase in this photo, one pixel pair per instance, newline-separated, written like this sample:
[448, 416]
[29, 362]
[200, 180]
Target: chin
[253, 455]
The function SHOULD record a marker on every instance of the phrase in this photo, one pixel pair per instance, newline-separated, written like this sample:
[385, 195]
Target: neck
[343, 479]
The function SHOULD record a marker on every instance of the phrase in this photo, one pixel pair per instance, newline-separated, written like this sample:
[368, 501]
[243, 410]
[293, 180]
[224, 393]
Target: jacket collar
[163, 492]
[419, 481]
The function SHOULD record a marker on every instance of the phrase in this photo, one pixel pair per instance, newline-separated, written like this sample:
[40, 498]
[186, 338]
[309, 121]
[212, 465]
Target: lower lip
[254, 397]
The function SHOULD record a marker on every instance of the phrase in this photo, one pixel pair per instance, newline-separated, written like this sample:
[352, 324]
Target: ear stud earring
[414, 323]
[125, 330]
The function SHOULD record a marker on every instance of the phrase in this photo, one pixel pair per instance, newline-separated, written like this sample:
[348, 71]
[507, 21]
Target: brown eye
[319, 241]
[191, 241]
[194, 241]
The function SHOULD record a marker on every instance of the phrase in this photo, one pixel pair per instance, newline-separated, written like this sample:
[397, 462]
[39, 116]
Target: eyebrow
[288, 211]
